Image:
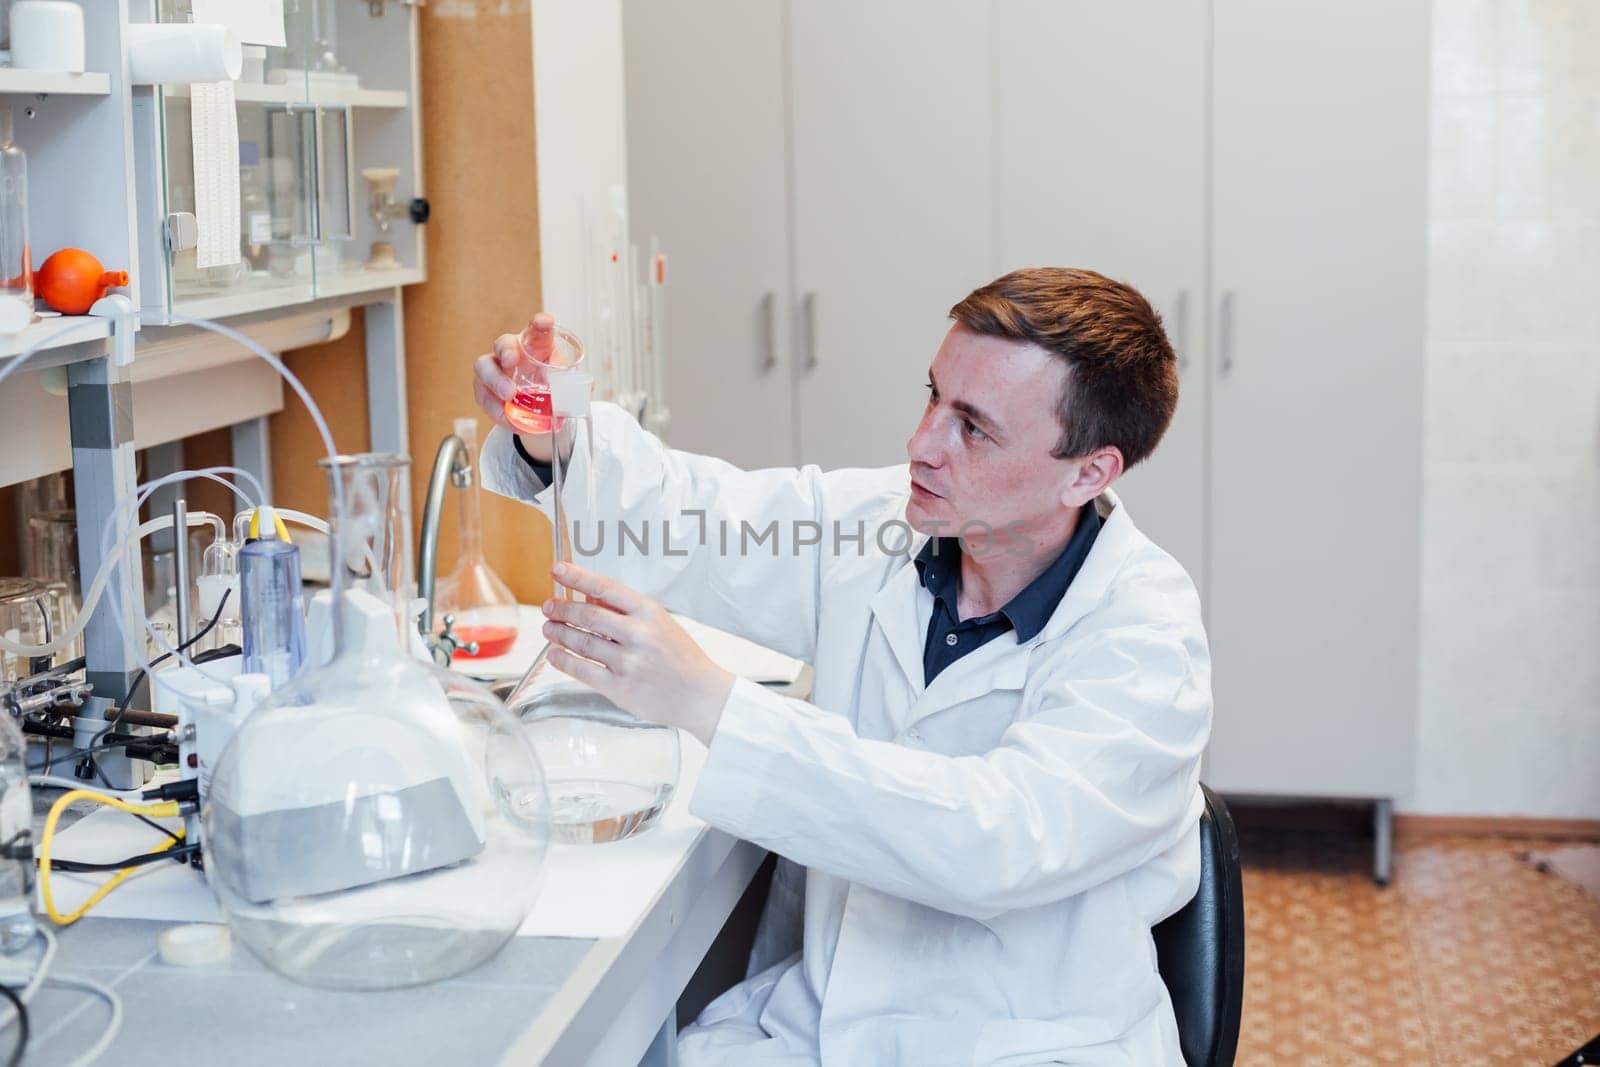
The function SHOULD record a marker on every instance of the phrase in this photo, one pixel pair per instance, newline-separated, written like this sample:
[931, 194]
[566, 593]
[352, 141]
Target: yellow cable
[277, 524]
[156, 810]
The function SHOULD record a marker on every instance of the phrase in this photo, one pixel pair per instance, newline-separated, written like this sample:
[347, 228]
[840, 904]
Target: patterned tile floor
[1470, 957]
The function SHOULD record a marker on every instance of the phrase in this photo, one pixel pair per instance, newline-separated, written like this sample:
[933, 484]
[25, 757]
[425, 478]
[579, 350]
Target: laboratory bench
[596, 1002]
[548, 1000]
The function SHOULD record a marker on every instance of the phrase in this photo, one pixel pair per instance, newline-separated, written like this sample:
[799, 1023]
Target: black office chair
[1200, 949]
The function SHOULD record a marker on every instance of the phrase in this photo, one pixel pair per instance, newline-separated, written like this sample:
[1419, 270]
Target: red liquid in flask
[492, 640]
[529, 411]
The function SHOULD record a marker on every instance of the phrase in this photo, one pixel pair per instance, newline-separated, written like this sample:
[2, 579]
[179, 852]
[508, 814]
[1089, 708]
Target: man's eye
[972, 430]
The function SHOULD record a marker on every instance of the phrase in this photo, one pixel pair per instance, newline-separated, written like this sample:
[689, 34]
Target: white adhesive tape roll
[183, 53]
[195, 945]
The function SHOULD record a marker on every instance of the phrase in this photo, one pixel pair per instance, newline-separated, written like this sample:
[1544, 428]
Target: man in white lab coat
[992, 795]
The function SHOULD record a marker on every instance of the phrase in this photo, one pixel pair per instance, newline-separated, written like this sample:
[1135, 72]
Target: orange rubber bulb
[72, 280]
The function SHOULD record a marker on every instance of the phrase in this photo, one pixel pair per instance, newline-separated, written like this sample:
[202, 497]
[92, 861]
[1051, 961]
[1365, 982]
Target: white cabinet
[707, 156]
[1257, 172]
[892, 210]
[1100, 162]
[1318, 276]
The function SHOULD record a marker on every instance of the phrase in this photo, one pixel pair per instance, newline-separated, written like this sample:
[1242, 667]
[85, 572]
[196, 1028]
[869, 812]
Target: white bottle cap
[569, 392]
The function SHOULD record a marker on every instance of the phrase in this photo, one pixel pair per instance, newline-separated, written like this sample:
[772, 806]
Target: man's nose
[923, 446]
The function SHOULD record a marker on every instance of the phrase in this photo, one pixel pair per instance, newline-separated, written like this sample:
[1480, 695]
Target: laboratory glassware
[610, 773]
[528, 411]
[377, 822]
[24, 618]
[16, 257]
[482, 608]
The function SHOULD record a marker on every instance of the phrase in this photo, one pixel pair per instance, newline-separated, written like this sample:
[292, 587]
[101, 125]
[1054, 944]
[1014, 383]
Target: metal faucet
[452, 462]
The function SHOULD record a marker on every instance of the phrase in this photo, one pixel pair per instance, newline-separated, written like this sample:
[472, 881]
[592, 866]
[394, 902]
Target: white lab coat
[984, 857]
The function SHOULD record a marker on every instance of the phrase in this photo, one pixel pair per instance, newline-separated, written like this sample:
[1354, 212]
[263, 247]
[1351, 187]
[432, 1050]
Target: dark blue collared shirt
[950, 637]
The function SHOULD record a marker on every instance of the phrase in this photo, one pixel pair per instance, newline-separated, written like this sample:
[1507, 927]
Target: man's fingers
[576, 667]
[591, 615]
[598, 587]
[541, 335]
[507, 352]
[488, 373]
[584, 643]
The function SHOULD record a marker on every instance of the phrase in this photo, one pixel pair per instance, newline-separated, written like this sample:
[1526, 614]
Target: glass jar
[53, 561]
[16, 256]
[24, 619]
[610, 774]
[377, 822]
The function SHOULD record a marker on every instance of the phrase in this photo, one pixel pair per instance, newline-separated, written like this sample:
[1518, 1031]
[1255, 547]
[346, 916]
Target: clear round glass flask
[376, 822]
[610, 774]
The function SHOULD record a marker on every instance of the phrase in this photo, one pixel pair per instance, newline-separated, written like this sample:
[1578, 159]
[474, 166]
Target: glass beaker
[482, 607]
[16, 257]
[377, 822]
[25, 619]
[610, 773]
[546, 349]
[53, 561]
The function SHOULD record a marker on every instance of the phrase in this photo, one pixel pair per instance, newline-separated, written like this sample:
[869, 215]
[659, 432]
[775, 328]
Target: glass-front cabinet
[328, 182]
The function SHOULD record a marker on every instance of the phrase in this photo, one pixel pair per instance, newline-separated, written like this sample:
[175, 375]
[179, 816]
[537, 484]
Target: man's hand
[492, 385]
[627, 647]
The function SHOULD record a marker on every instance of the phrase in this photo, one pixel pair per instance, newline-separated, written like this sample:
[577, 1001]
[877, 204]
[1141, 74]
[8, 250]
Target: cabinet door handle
[1180, 330]
[808, 309]
[1225, 334]
[769, 330]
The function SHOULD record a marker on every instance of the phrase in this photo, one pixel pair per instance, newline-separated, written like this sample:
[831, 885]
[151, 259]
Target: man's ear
[1095, 474]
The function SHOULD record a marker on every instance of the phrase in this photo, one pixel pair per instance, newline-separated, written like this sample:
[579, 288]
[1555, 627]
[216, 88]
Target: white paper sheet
[215, 128]
[588, 891]
[255, 21]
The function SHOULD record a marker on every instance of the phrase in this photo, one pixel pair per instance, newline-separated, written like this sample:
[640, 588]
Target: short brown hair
[1122, 375]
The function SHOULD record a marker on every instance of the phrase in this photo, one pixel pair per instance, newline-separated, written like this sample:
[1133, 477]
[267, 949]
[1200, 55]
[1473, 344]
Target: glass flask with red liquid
[482, 608]
[545, 348]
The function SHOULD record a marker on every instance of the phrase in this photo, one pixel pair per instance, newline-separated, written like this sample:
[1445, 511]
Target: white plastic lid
[569, 392]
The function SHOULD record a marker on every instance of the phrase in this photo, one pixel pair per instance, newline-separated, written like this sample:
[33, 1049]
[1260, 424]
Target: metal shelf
[49, 81]
[299, 93]
[57, 332]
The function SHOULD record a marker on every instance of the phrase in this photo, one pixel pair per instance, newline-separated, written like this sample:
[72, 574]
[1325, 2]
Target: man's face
[981, 453]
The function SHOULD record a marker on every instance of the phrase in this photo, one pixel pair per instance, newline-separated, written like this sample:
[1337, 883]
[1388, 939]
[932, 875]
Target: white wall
[581, 135]
[1510, 658]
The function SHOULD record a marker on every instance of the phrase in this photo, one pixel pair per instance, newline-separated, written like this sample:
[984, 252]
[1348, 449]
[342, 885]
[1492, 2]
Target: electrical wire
[47, 781]
[141, 860]
[167, 808]
[102, 579]
[41, 977]
[22, 1025]
[113, 1024]
[122, 707]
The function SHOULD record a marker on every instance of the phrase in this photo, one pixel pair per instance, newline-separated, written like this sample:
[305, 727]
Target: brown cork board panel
[483, 252]
[483, 280]
[335, 374]
[211, 449]
[10, 532]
